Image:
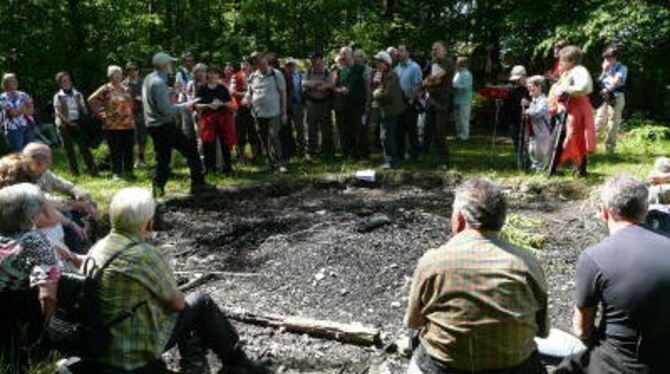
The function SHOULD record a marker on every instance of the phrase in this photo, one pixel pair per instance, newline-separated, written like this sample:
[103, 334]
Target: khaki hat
[162, 59]
[517, 72]
[384, 57]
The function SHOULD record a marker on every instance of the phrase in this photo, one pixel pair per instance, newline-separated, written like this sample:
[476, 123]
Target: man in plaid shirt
[141, 282]
[478, 300]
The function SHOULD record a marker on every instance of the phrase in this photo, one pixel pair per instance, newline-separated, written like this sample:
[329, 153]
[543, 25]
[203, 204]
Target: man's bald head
[40, 156]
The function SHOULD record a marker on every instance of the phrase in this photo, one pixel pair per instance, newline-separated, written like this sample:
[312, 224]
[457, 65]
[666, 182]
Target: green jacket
[388, 96]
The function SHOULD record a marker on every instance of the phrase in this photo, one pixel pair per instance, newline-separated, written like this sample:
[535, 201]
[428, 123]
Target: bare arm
[177, 303]
[583, 321]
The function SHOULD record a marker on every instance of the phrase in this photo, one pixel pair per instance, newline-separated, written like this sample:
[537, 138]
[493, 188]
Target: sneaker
[283, 169]
[116, 178]
[203, 189]
[385, 166]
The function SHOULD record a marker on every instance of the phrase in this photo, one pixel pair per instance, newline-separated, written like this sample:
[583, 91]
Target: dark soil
[300, 241]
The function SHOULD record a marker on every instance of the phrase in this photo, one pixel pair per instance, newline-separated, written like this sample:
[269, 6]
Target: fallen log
[204, 278]
[354, 333]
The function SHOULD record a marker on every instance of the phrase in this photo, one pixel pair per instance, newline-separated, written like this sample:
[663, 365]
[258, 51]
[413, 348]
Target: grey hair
[112, 69]
[626, 197]
[20, 204]
[38, 152]
[536, 80]
[131, 209]
[662, 165]
[482, 204]
[360, 53]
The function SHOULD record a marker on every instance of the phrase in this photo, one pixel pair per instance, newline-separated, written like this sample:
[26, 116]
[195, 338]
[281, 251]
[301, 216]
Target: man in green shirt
[478, 300]
[141, 282]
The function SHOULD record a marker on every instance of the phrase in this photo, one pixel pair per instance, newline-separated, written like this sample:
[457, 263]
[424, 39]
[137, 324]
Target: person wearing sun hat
[512, 110]
[389, 100]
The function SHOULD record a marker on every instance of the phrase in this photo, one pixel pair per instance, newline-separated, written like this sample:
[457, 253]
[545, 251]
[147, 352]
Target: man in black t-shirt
[628, 276]
[215, 120]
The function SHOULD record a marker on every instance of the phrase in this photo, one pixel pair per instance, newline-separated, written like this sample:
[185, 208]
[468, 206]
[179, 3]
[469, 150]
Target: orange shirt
[115, 107]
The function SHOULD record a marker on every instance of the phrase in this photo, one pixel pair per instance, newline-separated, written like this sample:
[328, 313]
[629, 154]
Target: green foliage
[519, 231]
[646, 139]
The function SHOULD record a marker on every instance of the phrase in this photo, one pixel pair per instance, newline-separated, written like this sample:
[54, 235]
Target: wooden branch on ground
[204, 278]
[355, 333]
[221, 273]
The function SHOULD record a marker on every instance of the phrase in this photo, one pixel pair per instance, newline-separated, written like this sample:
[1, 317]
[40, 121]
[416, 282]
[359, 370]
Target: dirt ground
[300, 253]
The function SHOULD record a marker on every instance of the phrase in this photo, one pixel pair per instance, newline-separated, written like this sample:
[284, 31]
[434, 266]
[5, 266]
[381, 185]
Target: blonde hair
[6, 77]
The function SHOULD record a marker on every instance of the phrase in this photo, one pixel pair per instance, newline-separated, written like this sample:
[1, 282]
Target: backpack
[76, 326]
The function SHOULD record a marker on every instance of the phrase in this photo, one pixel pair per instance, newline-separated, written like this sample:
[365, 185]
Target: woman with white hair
[114, 105]
[29, 268]
[18, 114]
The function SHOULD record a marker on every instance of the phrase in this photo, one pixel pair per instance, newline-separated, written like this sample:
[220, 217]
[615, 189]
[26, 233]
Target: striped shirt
[140, 274]
[479, 302]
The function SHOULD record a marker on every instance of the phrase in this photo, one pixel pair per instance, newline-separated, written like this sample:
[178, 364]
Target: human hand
[525, 102]
[605, 65]
[79, 231]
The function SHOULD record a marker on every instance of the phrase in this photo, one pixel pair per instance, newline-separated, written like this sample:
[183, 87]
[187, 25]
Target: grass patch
[519, 231]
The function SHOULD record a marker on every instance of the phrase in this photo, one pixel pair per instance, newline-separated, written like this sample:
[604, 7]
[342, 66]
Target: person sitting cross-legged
[141, 275]
[627, 275]
[478, 301]
[73, 202]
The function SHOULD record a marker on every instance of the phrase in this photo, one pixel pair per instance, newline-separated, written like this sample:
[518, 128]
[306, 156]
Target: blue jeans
[20, 137]
[389, 140]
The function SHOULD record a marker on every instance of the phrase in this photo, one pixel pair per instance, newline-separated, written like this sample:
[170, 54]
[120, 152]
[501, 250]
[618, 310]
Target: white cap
[385, 57]
[290, 61]
[162, 59]
[517, 72]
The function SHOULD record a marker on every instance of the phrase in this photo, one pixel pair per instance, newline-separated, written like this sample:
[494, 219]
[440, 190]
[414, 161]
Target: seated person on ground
[16, 168]
[627, 275]
[165, 317]
[659, 177]
[478, 300]
[29, 270]
[73, 202]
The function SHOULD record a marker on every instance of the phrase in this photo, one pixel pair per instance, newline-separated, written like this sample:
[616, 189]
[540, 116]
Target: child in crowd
[537, 110]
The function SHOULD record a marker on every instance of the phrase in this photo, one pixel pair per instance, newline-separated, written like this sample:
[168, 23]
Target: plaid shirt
[140, 274]
[479, 301]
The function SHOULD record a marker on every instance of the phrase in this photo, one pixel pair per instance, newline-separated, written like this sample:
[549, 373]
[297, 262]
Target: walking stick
[522, 147]
[559, 133]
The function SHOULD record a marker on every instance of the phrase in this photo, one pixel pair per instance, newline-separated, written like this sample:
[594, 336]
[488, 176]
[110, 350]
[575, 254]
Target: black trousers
[407, 132]
[166, 138]
[610, 356]
[74, 136]
[428, 365]
[21, 325]
[353, 133]
[200, 322]
[209, 151]
[121, 150]
[203, 318]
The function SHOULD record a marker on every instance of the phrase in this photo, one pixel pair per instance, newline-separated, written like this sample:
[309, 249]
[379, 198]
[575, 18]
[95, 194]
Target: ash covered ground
[301, 253]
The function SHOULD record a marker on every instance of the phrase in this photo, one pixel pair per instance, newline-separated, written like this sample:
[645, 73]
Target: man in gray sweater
[159, 115]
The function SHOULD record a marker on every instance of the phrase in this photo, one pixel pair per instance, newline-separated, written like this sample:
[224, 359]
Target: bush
[640, 120]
